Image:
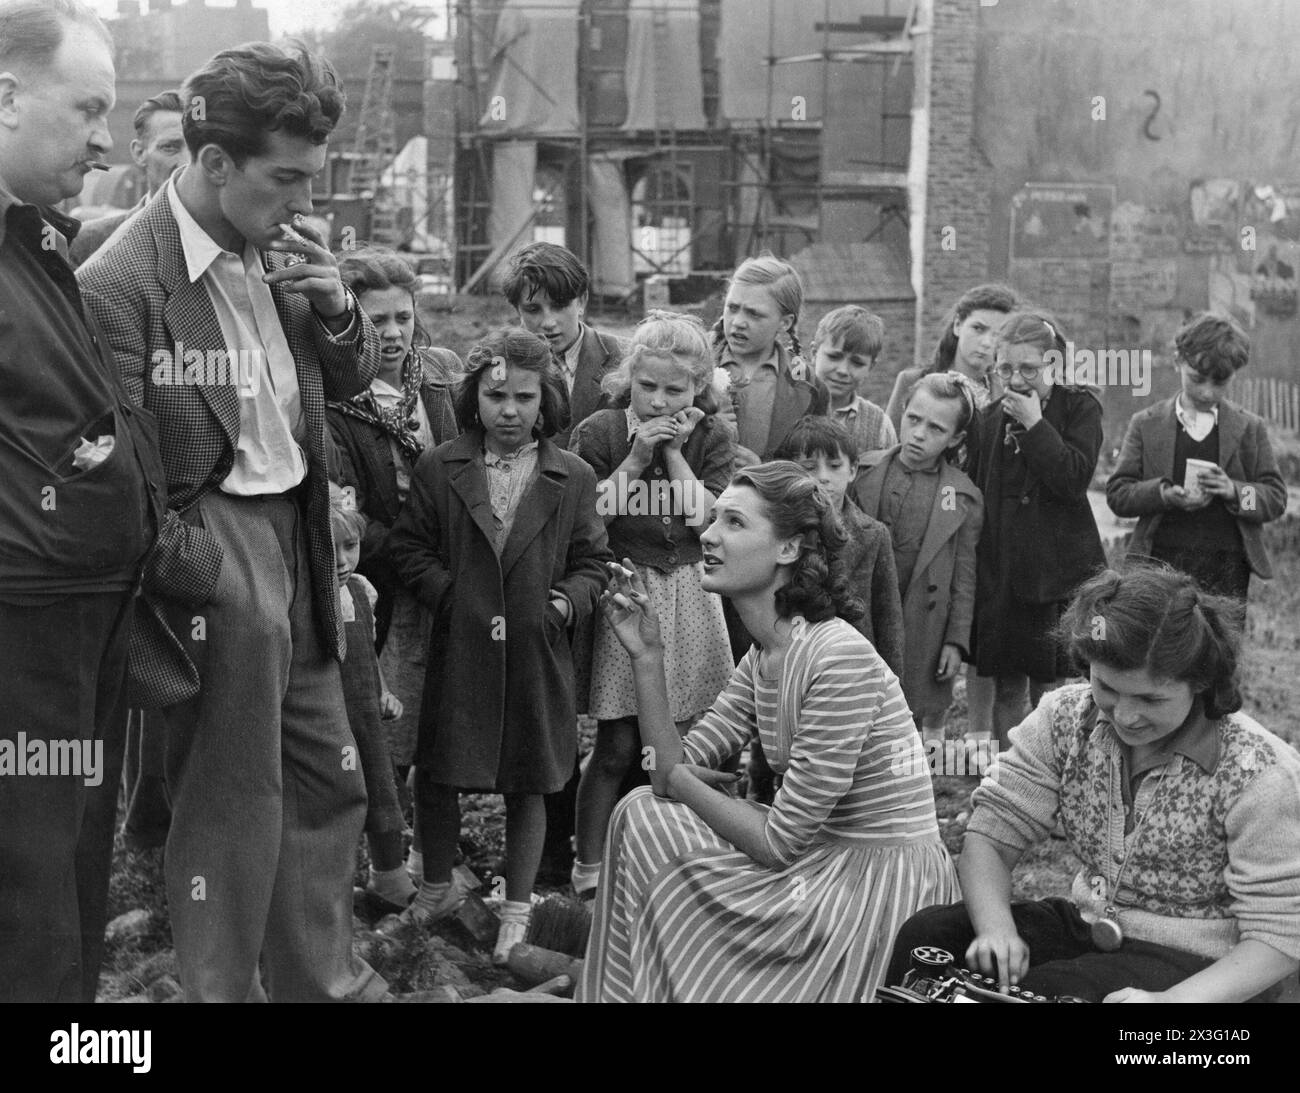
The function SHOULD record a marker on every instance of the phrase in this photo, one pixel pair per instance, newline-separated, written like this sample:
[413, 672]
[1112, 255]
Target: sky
[285, 15]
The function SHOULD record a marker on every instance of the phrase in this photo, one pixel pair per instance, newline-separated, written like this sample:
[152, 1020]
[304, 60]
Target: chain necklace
[1106, 932]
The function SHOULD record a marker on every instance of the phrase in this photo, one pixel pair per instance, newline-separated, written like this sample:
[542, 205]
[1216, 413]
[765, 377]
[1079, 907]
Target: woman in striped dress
[706, 898]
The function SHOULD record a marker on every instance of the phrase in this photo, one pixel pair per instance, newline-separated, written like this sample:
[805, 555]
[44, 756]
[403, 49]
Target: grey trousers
[267, 794]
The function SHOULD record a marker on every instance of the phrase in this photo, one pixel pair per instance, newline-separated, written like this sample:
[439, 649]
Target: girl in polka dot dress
[661, 458]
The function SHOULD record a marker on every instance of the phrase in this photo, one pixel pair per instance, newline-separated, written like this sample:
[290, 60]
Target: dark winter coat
[939, 602]
[499, 712]
[1044, 538]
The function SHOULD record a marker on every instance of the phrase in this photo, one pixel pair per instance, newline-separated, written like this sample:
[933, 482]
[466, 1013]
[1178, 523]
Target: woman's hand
[686, 420]
[1132, 994]
[1003, 954]
[630, 613]
[649, 435]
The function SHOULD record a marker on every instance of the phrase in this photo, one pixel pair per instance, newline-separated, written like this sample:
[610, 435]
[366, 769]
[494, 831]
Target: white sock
[415, 865]
[585, 876]
[393, 885]
[431, 894]
[512, 911]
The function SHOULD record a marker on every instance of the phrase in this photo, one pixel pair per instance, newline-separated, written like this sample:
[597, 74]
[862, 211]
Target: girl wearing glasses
[1038, 451]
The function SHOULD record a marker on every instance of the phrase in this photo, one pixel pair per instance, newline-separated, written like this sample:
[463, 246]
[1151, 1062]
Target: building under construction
[666, 140]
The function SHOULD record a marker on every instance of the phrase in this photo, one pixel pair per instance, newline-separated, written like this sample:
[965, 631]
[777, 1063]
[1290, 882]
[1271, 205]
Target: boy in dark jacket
[1207, 522]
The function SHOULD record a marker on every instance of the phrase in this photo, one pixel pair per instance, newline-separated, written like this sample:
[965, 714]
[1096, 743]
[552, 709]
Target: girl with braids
[966, 343]
[502, 545]
[1184, 813]
[1037, 452]
[708, 898]
[379, 435]
[771, 386]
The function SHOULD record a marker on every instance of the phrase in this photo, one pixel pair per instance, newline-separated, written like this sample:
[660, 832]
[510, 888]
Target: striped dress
[682, 916]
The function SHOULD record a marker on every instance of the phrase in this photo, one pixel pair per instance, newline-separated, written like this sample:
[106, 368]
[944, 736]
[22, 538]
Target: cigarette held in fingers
[293, 236]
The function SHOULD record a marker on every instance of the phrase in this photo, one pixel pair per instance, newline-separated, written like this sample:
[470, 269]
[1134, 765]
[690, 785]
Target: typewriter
[936, 977]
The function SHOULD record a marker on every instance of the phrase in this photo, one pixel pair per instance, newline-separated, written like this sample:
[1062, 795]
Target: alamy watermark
[969, 758]
[57, 758]
[192, 367]
[621, 495]
[1129, 368]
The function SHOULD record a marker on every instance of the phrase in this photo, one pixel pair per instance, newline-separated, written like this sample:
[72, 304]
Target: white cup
[1192, 476]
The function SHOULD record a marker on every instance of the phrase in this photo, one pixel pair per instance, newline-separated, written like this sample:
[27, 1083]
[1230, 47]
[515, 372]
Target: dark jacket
[142, 296]
[868, 559]
[599, 354]
[653, 538]
[65, 530]
[1048, 528]
[1147, 460]
[799, 393]
[939, 603]
[499, 711]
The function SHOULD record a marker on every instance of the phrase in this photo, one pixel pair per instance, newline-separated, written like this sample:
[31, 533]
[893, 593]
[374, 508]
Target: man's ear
[215, 165]
[9, 85]
[137, 152]
[790, 549]
[582, 305]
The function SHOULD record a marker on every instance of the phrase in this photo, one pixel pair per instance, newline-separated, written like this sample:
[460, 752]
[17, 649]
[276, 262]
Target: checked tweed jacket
[141, 295]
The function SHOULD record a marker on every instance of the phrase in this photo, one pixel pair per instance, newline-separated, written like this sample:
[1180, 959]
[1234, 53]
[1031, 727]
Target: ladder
[375, 146]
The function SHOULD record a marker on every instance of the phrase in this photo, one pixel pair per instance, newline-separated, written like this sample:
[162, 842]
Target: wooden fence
[1276, 401]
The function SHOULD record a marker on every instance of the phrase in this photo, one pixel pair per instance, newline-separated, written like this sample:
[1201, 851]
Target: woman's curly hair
[796, 504]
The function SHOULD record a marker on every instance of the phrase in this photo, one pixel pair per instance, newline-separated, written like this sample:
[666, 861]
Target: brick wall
[957, 175]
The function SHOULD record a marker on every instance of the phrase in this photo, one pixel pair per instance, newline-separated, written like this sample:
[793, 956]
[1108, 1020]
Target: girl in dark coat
[1036, 457]
[380, 434]
[501, 542]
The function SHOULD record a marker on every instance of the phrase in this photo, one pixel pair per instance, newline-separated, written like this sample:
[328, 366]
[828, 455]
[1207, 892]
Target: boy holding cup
[1198, 470]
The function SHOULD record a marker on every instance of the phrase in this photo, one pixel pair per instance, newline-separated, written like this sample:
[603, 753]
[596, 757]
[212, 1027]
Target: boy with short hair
[845, 348]
[828, 452]
[1212, 530]
[547, 285]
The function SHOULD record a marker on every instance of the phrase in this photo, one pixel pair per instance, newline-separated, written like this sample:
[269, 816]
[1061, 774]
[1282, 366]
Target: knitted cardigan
[1217, 860]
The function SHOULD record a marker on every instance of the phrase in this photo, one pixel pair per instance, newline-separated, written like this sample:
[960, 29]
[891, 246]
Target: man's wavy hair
[242, 94]
[796, 504]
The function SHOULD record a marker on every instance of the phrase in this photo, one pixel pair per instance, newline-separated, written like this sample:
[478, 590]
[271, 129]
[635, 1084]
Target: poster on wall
[1061, 221]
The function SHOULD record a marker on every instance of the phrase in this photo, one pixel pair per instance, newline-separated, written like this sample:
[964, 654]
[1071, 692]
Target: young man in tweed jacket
[240, 641]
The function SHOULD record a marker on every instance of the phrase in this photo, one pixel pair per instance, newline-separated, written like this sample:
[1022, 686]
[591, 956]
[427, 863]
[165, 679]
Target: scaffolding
[375, 147]
[675, 231]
